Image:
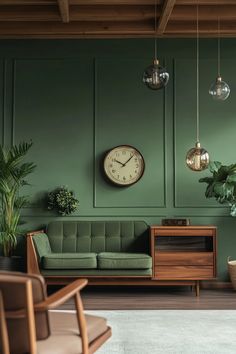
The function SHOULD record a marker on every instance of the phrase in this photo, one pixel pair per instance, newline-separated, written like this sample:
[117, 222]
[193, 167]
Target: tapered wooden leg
[3, 329]
[197, 286]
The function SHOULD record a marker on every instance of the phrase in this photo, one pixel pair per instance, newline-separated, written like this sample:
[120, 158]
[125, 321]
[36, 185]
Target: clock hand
[119, 162]
[128, 160]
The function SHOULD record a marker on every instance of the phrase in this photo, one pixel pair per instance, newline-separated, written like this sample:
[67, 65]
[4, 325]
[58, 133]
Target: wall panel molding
[13, 121]
[178, 205]
[164, 157]
[3, 100]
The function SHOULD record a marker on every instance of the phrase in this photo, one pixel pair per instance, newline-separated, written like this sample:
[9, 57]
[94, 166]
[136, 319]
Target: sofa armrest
[37, 246]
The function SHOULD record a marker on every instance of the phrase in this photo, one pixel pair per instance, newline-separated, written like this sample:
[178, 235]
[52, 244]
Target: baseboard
[215, 284]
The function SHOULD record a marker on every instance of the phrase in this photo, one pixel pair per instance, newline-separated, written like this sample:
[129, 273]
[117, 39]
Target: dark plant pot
[12, 264]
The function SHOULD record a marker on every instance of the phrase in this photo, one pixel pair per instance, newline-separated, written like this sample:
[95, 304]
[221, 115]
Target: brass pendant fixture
[197, 158]
[155, 76]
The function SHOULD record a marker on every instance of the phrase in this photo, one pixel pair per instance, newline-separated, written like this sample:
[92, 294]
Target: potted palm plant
[221, 185]
[13, 173]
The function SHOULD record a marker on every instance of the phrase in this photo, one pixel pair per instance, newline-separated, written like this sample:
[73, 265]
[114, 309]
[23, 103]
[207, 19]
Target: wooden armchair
[27, 325]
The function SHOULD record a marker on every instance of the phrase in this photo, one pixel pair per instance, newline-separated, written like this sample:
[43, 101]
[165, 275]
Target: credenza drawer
[184, 258]
[181, 232]
[183, 272]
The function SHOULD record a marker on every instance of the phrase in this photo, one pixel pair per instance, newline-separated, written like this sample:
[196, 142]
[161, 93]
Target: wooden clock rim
[119, 146]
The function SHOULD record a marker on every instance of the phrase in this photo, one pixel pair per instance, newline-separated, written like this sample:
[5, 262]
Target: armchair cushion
[65, 333]
[42, 245]
[111, 260]
[70, 261]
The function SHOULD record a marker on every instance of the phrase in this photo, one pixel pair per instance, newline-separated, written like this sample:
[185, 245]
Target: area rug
[170, 332]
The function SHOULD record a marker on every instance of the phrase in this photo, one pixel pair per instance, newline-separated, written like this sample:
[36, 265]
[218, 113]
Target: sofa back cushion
[98, 236]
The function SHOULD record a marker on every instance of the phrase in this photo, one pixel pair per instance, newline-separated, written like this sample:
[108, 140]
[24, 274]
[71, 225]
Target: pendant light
[197, 158]
[155, 76]
[219, 90]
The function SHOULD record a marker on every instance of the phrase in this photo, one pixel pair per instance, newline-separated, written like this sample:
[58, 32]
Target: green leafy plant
[222, 184]
[63, 201]
[13, 172]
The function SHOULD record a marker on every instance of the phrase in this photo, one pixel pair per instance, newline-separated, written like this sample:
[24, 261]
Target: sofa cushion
[111, 260]
[98, 236]
[70, 261]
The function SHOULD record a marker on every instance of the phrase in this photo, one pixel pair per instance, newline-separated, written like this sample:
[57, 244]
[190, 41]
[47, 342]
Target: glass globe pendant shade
[155, 76]
[219, 90]
[197, 158]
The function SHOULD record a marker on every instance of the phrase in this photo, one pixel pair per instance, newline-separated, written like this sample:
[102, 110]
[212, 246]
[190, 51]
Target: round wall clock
[124, 165]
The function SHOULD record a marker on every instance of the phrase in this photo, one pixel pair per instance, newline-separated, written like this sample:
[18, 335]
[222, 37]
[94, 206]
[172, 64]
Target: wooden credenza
[183, 253]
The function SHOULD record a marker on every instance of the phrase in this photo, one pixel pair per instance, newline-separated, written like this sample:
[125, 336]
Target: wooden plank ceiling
[115, 18]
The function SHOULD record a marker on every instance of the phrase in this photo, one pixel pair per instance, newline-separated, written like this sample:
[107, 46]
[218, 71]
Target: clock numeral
[137, 165]
[124, 178]
[130, 176]
[123, 152]
[135, 159]
[111, 165]
[135, 171]
[113, 171]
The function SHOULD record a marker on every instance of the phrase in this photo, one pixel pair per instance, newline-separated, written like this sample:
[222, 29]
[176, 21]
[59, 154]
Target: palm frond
[20, 202]
[24, 170]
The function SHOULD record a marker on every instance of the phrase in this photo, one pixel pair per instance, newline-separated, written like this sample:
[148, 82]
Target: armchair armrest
[62, 295]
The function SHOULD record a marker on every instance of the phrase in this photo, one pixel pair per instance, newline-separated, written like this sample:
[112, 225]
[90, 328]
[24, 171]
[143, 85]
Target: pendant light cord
[197, 72]
[218, 49]
[155, 26]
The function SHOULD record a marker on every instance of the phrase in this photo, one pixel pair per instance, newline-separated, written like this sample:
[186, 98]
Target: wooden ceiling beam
[80, 2]
[205, 27]
[108, 29]
[114, 18]
[115, 2]
[206, 13]
[165, 15]
[27, 2]
[205, 2]
[27, 13]
[74, 28]
[64, 10]
[77, 13]
[117, 13]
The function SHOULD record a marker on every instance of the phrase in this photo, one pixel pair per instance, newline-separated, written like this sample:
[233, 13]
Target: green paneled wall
[76, 99]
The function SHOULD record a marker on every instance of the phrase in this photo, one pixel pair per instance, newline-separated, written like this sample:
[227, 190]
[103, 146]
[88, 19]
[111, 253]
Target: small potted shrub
[63, 201]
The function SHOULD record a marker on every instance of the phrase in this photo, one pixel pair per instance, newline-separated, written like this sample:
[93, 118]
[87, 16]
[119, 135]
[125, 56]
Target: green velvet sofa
[92, 249]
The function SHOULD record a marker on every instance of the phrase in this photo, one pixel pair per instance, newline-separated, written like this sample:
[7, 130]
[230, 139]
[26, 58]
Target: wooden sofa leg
[197, 287]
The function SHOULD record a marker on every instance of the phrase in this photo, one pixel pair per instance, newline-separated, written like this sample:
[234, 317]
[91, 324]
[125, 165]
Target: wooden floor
[149, 298]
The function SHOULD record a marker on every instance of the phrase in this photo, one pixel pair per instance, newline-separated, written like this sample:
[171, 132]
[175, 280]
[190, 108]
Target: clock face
[124, 165]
